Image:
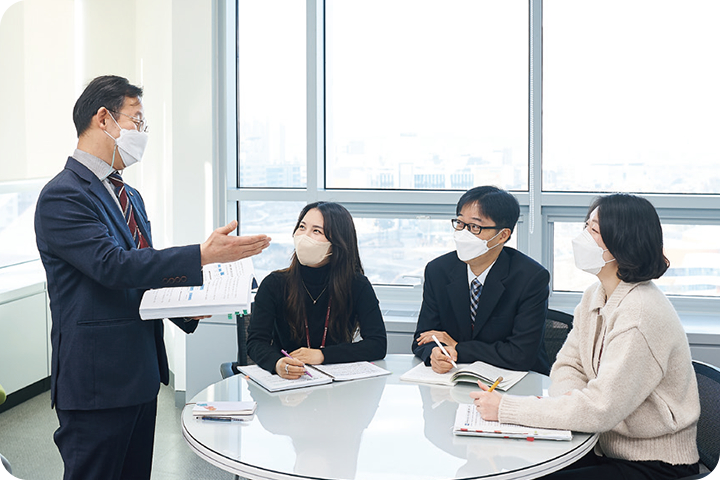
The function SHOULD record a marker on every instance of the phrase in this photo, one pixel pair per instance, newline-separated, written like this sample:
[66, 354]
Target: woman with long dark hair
[625, 370]
[315, 309]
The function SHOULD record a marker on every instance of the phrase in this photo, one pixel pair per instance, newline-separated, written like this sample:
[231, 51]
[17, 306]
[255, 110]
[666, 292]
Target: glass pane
[693, 252]
[566, 276]
[17, 230]
[630, 96]
[396, 251]
[426, 94]
[277, 220]
[272, 93]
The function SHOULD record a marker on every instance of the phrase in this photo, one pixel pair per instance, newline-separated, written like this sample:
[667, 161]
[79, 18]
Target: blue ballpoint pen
[223, 419]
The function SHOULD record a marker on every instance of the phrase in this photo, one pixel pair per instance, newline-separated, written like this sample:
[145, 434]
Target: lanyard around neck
[307, 328]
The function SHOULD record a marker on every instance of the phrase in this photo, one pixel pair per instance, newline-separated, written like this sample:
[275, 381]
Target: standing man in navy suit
[96, 246]
[508, 324]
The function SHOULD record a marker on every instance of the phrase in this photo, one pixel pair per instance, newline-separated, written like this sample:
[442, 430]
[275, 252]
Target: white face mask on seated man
[470, 246]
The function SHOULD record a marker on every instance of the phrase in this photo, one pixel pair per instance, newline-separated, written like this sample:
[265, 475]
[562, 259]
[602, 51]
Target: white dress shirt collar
[482, 277]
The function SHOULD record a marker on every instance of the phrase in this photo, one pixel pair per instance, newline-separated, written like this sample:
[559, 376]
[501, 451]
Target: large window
[405, 104]
[430, 94]
[630, 97]
[271, 93]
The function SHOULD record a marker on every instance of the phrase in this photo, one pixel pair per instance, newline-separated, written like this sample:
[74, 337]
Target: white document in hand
[226, 289]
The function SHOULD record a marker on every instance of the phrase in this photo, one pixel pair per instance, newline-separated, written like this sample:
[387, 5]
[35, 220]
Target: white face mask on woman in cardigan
[588, 254]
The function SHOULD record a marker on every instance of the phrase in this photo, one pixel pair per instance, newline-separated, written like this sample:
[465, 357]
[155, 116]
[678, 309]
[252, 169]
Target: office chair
[708, 442]
[557, 326]
[228, 369]
[3, 460]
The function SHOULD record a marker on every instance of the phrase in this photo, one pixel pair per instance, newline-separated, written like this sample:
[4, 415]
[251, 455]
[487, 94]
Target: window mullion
[315, 56]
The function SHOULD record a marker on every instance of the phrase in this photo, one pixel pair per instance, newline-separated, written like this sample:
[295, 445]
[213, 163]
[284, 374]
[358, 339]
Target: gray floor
[26, 441]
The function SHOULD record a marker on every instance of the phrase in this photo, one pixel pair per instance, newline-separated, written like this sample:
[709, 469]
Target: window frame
[539, 209]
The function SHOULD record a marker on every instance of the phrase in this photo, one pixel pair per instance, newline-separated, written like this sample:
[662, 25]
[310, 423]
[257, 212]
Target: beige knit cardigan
[625, 371]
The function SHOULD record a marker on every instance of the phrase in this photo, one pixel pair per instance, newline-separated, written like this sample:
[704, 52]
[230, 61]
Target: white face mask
[130, 143]
[588, 254]
[309, 251]
[469, 246]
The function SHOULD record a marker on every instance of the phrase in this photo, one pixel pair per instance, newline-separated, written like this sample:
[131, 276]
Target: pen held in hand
[288, 355]
[444, 351]
[494, 385]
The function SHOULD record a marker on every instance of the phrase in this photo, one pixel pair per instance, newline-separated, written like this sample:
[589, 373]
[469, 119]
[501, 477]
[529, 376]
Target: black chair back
[228, 369]
[708, 440]
[557, 327]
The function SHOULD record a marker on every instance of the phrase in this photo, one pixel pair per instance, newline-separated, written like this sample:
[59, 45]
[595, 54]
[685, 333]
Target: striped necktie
[127, 210]
[475, 291]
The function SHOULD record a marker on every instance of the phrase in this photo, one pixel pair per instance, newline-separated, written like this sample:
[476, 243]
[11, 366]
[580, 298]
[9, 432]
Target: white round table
[373, 429]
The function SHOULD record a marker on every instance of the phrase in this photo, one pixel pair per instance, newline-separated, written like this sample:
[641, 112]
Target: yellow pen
[494, 385]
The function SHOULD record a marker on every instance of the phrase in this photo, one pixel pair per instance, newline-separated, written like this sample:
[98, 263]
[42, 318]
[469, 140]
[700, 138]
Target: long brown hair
[344, 265]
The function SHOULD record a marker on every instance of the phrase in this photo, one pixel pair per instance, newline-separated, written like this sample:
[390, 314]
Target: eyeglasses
[472, 228]
[140, 124]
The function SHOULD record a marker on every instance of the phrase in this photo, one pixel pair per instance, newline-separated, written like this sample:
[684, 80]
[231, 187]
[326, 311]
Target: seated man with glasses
[484, 301]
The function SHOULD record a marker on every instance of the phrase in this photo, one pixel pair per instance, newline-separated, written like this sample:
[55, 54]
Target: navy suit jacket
[510, 320]
[103, 354]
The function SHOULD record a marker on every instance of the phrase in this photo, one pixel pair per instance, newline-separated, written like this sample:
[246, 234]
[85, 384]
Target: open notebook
[321, 375]
[469, 373]
[469, 422]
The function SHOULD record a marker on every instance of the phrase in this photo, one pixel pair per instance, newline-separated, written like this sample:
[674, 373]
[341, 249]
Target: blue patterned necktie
[475, 291]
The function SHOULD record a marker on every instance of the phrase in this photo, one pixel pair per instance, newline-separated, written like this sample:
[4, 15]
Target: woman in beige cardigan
[625, 370]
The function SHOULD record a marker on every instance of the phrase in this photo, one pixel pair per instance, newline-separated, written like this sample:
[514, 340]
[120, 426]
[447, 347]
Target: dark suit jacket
[103, 355]
[510, 320]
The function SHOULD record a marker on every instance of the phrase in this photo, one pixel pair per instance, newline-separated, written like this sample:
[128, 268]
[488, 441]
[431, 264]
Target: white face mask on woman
[470, 246]
[588, 254]
[130, 143]
[309, 251]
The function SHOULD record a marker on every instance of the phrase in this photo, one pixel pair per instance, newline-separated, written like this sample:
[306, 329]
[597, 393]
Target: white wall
[51, 49]
[36, 91]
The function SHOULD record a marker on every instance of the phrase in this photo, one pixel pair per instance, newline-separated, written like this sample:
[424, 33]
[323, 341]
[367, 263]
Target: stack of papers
[225, 411]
